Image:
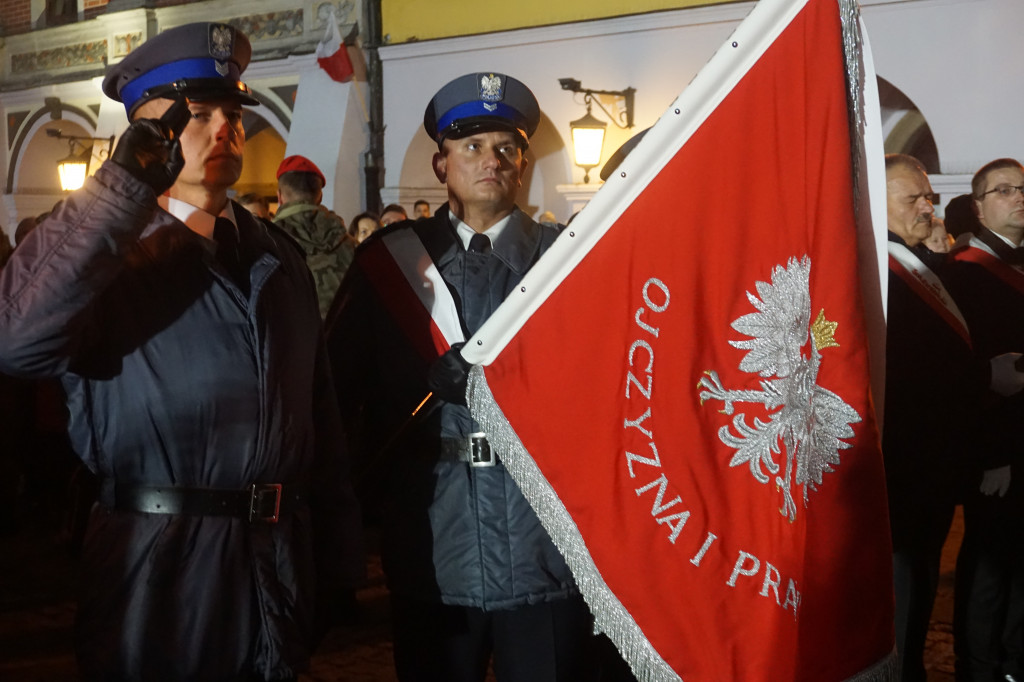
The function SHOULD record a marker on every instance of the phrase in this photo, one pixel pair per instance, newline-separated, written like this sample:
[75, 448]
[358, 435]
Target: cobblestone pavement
[37, 612]
[938, 654]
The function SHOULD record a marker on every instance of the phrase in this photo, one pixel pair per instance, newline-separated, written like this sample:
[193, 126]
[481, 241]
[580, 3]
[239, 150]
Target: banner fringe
[610, 616]
[853, 57]
[884, 671]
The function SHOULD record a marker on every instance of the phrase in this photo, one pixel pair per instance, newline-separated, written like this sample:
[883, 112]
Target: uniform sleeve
[49, 286]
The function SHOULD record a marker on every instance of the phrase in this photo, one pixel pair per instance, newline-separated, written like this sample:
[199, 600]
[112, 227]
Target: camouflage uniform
[322, 235]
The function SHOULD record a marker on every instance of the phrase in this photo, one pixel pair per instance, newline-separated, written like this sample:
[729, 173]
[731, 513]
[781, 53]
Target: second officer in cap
[187, 336]
[473, 576]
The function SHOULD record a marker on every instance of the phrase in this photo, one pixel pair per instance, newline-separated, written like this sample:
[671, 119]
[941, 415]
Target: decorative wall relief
[344, 11]
[270, 26]
[64, 57]
[125, 43]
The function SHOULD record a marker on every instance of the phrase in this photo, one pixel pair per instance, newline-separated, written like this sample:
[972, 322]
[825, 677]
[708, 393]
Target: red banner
[695, 396]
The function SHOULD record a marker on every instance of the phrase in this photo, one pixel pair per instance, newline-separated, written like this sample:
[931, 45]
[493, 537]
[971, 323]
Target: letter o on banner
[647, 298]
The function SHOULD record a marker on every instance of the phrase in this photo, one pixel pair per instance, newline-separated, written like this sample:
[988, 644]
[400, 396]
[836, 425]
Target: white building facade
[951, 65]
[952, 59]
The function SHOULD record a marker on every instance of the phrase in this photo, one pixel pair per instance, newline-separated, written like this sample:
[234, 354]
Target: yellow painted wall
[408, 20]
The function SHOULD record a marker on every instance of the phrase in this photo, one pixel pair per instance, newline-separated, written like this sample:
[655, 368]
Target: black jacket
[452, 533]
[994, 309]
[935, 389]
[175, 378]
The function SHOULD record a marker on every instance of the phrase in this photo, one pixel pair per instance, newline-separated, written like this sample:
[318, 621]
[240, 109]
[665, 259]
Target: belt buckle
[258, 492]
[480, 454]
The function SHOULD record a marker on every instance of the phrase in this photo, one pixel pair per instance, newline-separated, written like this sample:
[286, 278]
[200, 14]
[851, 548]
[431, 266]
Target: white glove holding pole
[996, 481]
[1007, 379]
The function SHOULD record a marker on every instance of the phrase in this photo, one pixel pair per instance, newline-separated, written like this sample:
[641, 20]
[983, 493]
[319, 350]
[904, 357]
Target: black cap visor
[199, 90]
[464, 127]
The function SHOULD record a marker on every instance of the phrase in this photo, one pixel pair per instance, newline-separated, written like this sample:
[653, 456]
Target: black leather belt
[259, 503]
[474, 449]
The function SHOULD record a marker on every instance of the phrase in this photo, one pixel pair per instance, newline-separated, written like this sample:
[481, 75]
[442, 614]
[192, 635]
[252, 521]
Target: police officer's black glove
[150, 149]
[447, 376]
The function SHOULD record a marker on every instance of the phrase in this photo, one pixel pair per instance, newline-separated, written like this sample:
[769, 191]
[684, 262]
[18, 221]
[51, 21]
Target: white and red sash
[928, 287]
[982, 254]
[414, 292]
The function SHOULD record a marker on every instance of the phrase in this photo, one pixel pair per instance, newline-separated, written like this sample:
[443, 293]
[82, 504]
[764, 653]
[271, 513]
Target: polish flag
[332, 53]
[682, 386]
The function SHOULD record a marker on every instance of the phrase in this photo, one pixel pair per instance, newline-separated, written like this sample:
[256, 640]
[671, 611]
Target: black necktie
[226, 235]
[479, 243]
[476, 287]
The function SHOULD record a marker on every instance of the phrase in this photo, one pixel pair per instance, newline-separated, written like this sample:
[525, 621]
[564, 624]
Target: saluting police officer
[187, 335]
[471, 571]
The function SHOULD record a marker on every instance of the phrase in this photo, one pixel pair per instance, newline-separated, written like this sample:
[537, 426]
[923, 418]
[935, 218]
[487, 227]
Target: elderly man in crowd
[929, 361]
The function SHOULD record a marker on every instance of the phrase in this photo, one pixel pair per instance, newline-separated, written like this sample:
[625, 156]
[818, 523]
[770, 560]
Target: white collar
[466, 232]
[1012, 245]
[197, 220]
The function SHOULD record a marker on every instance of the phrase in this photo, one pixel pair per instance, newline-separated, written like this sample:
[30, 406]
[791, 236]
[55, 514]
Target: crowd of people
[203, 388]
[954, 343]
[246, 389]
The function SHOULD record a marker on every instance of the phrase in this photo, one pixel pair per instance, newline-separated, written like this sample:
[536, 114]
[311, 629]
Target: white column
[577, 196]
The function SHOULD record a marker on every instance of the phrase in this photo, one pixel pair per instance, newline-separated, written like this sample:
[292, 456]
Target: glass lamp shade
[587, 141]
[72, 170]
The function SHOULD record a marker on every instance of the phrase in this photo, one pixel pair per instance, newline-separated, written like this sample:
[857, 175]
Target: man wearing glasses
[987, 280]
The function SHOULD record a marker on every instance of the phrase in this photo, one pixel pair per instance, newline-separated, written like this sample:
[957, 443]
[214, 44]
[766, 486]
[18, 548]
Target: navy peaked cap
[202, 61]
[479, 102]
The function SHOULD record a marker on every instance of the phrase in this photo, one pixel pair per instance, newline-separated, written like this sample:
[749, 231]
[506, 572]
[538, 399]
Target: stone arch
[551, 163]
[265, 143]
[905, 128]
[32, 152]
[273, 112]
[416, 164]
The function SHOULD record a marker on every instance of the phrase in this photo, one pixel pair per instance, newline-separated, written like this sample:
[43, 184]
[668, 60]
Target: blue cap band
[477, 108]
[205, 67]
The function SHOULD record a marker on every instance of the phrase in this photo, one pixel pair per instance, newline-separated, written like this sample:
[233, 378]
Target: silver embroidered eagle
[490, 87]
[806, 421]
[220, 41]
